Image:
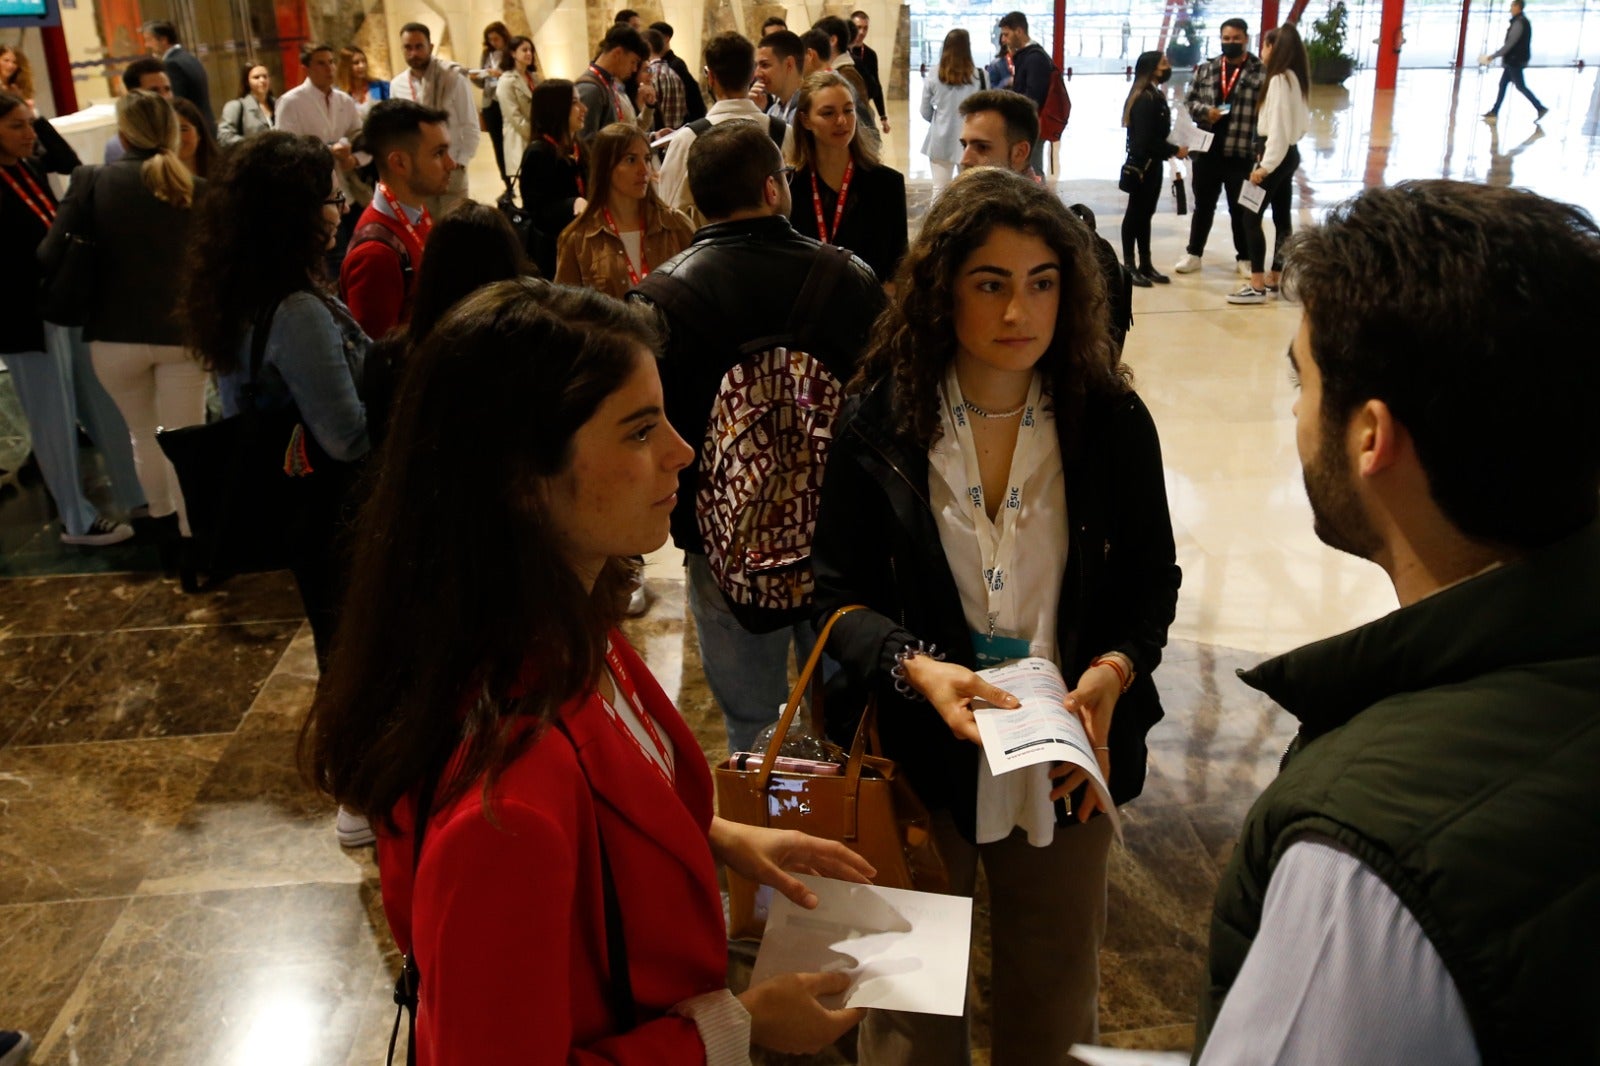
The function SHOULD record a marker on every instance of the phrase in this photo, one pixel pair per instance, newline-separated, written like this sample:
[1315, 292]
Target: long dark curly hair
[915, 338]
[259, 235]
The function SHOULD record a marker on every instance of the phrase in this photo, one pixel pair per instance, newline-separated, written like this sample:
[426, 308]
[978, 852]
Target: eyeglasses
[786, 173]
[336, 200]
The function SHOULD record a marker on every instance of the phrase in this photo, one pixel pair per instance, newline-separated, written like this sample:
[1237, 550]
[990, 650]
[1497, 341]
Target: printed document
[1185, 134]
[1041, 730]
[1089, 1055]
[1252, 196]
[904, 950]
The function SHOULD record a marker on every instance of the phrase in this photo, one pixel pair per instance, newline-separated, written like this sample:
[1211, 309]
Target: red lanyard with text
[425, 222]
[553, 143]
[1229, 83]
[40, 206]
[626, 690]
[824, 234]
[644, 264]
[610, 83]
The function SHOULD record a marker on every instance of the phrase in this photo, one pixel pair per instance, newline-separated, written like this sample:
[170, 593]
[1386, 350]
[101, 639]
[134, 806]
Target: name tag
[995, 649]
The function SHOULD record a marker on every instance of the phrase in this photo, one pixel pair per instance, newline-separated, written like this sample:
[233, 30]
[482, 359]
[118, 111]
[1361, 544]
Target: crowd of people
[739, 347]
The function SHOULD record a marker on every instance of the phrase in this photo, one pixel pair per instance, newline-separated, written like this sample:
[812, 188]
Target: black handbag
[1132, 175]
[66, 293]
[244, 481]
[521, 218]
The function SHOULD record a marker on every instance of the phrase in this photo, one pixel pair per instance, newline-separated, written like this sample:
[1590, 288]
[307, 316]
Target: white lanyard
[997, 540]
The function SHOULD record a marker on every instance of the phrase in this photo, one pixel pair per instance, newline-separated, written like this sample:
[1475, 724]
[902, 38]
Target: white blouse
[1027, 605]
[1284, 119]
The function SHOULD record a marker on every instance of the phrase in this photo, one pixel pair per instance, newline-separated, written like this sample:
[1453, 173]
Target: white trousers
[153, 385]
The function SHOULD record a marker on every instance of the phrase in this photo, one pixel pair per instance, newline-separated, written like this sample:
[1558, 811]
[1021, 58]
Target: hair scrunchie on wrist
[910, 651]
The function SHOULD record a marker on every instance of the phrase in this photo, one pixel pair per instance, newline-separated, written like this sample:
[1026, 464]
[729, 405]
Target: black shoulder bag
[66, 293]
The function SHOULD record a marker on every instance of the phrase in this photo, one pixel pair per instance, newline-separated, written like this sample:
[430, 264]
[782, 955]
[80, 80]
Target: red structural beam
[1058, 33]
[1390, 36]
[1461, 42]
[59, 65]
[1296, 9]
[1269, 14]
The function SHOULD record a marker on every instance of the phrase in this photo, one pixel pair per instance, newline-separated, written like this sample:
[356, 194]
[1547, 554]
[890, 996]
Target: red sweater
[372, 281]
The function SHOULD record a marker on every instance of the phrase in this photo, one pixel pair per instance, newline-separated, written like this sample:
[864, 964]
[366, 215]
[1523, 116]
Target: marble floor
[170, 892]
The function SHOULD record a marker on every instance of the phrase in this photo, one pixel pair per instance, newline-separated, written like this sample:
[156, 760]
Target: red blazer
[507, 920]
[371, 281]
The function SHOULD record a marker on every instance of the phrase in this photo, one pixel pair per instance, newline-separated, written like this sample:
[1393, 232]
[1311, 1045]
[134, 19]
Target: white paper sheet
[1090, 1055]
[1185, 134]
[1041, 730]
[905, 950]
[1252, 196]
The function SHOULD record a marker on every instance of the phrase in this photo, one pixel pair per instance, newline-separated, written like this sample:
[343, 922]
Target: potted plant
[1183, 51]
[1330, 63]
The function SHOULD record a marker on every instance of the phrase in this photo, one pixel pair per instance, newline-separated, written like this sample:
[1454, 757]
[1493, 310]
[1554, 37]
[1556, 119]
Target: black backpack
[1119, 285]
[777, 129]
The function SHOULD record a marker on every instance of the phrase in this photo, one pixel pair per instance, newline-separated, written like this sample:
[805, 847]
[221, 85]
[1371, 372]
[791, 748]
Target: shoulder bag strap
[824, 275]
[408, 986]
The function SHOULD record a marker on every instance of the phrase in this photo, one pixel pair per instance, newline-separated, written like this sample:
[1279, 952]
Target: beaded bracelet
[911, 650]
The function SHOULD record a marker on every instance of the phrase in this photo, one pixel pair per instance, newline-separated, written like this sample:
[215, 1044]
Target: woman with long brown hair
[197, 145]
[990, 409]
[842, 192]
[252, 111]
[958, 78]
[553, 173]
[519, 76]
[546, 843]
[1282, 117]
[16, 73]
[1148, 120]
[353, 77]
[625, 229]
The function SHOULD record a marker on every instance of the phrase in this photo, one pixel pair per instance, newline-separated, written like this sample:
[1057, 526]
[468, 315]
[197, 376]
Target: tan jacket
[589, 254]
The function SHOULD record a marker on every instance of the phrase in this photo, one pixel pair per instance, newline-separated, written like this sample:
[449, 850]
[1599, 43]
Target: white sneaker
[1249, 294]
[102, 533]
[1242, 268]
[1187, 265]
[638, 602]
[353, 830]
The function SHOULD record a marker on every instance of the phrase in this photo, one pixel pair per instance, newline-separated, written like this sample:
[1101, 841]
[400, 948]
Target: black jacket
[1031, 73]
[1149, 122]
[877, 543]
[874, 222]
[140, 247]
[550, 181]
[189, 80]
[695, 103]
[742, 279]
[866, 61]
[21, 328]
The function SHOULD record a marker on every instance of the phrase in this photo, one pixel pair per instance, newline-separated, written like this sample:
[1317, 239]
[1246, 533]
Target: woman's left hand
[1093, 701]
[1257, 176]
[769, 856]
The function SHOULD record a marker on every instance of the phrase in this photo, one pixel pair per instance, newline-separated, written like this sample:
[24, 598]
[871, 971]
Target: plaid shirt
[671, 102]
[1205, 92]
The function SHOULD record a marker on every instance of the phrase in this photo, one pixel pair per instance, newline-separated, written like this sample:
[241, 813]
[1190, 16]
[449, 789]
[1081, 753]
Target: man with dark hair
[999, 129]
[410, 146]
[602, 87]
[772, 25]
[780, 68]
[672, 103]
[1222, 98]
[146, 72]
[839, 61]
[695, 104]
[316, 108]
[628, 17]
[819, 51]
[1419, 883]
[747, 278]
[866, 61]
[1031, 70]
[730, 67]
[188, 76]
[1514, 56]
[440, 85]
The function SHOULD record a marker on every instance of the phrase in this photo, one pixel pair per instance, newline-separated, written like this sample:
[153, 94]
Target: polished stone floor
[170, 892]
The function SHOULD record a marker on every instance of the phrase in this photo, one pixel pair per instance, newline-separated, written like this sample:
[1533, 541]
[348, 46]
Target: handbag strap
[792, 707]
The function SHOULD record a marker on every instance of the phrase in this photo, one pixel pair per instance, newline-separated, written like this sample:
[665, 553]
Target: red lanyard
[626, 690]
[553, 143]
[40, 206]
[1227, 83]
[611, 85]
[426, 222]
[644, 264]
[825, 234]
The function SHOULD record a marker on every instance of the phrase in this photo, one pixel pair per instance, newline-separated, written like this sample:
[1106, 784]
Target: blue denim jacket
[313, 361]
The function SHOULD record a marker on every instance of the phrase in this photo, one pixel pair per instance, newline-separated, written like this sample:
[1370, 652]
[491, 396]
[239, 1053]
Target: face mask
[1163, 77]
[1233, 50]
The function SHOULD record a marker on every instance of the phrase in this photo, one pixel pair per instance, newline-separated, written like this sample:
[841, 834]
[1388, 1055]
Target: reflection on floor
[171, 893]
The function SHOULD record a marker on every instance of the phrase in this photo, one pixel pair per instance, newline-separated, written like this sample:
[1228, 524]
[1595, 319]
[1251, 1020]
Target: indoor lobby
[171, 891]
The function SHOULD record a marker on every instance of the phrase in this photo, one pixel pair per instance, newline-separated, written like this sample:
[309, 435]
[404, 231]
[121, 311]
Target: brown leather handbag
[869, 808]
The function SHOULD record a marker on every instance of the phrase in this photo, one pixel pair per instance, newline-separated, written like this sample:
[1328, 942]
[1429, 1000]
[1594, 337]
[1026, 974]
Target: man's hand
[1213, 115]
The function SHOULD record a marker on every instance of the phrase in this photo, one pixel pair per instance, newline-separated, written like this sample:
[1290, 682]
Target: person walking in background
[353, 79]
[1030, 71]
[672, 103]
[554, 169]
[844, 194]
[958, 78]
[440, 86]
[139, 210]
[38, 354]
[1284, 118]
[694, 102]
[16, 74]
[603, 86]
[1148, 119]
[252, 110]
[514, 94]
[626, 229]
[189, 79]
[1222, 99]
[316, 108]
[1514, 56]
[496, 47]
[866, 61]
[197, 146]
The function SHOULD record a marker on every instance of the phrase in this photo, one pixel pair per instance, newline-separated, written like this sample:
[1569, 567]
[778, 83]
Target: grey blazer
[241, 118]
[140, 244]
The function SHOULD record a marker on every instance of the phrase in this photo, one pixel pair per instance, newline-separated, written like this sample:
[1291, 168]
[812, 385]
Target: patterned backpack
[762, 460]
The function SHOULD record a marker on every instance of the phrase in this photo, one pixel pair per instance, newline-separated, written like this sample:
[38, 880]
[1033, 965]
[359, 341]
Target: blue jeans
[748, 672]
[1511, 77]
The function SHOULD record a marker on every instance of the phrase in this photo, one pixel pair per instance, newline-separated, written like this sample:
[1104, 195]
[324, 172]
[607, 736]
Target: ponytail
[148, 123]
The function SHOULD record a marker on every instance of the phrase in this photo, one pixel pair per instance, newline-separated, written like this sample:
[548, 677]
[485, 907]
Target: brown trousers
[1048, 908]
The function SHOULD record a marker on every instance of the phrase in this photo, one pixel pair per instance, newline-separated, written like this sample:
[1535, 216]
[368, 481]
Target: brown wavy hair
[914, 339]
[803, 146]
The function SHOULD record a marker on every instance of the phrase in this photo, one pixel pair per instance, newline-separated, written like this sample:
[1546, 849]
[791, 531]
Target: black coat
[874, 223]
[21, 328]
[550, 182]
[877, 543]
[1149, 122]
[1031, 68]
[189, 80]
[694, 101]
